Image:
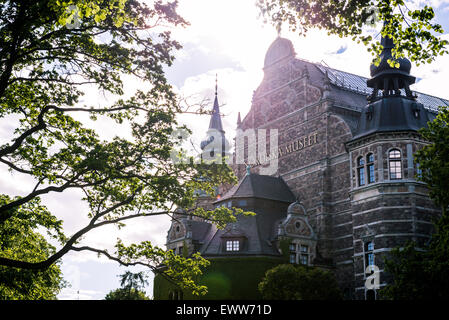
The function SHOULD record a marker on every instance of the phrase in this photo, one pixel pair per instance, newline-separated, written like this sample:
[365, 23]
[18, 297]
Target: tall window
[418, 171]
[370, 168]
[361, 171]
[394, 161]
[369, 261]
[292, 249]
[369, 254]
[304, 255]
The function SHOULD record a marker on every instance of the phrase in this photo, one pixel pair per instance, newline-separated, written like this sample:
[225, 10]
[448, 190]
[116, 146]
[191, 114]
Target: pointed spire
[215, 125]
[239, 120]
[215, 120]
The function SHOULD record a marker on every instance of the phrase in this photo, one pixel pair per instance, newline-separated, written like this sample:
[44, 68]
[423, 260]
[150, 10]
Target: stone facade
[316, 111]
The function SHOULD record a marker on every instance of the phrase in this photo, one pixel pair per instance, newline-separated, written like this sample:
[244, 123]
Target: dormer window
[232, 245]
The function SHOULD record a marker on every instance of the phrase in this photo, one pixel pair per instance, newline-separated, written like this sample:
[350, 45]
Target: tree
[132, 285]
[19, 240]
[414, 33]
[297, 282]
[420, 272]
[124, 294]
[51, 51]
[433, 158]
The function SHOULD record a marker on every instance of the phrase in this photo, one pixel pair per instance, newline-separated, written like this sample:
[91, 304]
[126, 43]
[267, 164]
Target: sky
[227, 39]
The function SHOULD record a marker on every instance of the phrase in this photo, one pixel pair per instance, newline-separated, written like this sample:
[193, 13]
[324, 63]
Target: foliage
[19, 240]
[284, 244]
[412, 30]
[419, 272]
[433, 158]
[125, 294]
[51, 52]
[132, 285]
[178, 269]
[297, 282]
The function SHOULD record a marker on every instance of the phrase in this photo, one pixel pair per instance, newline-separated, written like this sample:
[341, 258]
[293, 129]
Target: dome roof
[384, 68]
[280, 49]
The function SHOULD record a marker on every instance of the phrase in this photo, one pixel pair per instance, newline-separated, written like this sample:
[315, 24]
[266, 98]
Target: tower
[215, 146]
[389, 205]
[185, 234]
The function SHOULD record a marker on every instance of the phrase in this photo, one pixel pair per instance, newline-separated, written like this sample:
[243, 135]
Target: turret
[215, 143]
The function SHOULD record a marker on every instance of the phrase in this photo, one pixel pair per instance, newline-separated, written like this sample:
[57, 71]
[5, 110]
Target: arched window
[395, 166]
[361, 171]
[370, 168]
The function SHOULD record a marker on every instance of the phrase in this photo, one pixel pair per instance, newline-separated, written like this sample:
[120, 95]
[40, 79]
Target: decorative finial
[216, 84]
[248, 169]
[278, 29]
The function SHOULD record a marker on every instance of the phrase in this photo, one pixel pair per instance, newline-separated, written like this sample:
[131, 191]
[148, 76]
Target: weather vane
[216, 84]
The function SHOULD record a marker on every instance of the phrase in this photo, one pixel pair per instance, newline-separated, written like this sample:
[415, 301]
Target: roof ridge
[363, 77]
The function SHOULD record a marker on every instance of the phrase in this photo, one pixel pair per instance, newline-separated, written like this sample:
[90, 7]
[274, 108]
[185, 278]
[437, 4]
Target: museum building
[345, 189]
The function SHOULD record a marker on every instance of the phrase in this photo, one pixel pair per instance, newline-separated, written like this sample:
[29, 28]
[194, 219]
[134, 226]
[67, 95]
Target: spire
[215, 137]
[239, 120]
[215, 120]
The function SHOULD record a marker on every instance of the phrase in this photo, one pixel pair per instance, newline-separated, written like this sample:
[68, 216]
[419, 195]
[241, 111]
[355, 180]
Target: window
[370, 168]
[299, 253]
[292, 249]
[304, 255]
[394, 160]
[418, 171]
[361, 171]
[242, 203]
[369, 254]
[292, 257]
[175, 295]
[369, 261]
[180, 250]
[232, 245]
